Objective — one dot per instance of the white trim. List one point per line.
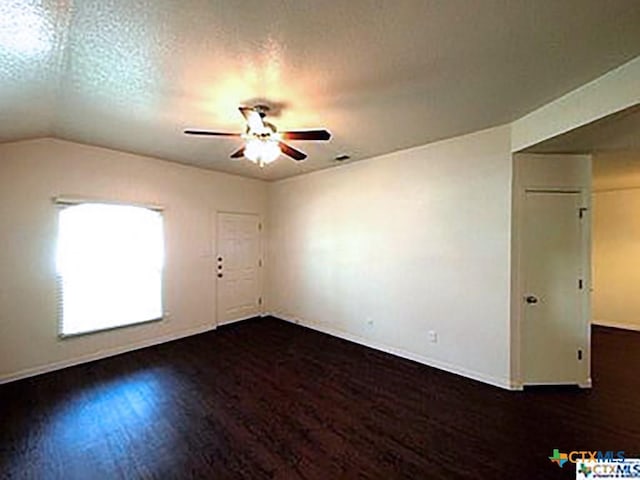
(522, 183)
(623, 326)
(215, 243)
(66, 336)
(50, 367)
(68, 200)
(398, 352)
(586, 384)
(236, 320)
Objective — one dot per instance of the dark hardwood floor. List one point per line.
(267, 399)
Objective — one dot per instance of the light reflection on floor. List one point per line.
(127, 416)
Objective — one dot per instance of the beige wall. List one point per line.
(368, 251)
(616, 258)
(616, 240)
(33, 172)
(386, 250)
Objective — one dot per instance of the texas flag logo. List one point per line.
(559, 458)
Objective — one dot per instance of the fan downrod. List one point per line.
(261, 109)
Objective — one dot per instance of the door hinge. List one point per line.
(259, 300)
(579, 354)
(580, 284)
(582, 211)
(259, 227)
(260, 262)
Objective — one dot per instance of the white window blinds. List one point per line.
(109, 261)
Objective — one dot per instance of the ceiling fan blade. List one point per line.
(292, 152)
(210, 133)
(306, 135)
(246, 112)
(238, 153)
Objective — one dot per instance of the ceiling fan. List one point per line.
(263, 142)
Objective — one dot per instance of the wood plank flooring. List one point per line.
(268, 399)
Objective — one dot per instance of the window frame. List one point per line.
(63, 202)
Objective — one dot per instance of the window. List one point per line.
(109, 263)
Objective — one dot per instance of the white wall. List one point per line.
(33, 172)
(607, 94)
(384, 250)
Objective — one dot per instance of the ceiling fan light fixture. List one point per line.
(263, 142)
(262, 152)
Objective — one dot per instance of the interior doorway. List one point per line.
(238, 267)
(613, 144)
(551, 270)
(553, 252)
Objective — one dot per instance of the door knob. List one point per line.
(531, 299)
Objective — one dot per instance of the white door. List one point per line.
(238, 267)
(555, 331)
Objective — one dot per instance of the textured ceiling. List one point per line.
(381, 75)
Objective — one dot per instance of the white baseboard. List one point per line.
(50, 367)
(229, 322)
(587, 384)
(481, 377)
(624, 326)
(495, 381)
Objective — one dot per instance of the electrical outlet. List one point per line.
(433, 336)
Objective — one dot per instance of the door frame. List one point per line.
(213, 264)
(541, 173)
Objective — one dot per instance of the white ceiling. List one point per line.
(614, 142)
(381, 75)
(614, 133)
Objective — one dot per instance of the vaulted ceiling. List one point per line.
(381, 75)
